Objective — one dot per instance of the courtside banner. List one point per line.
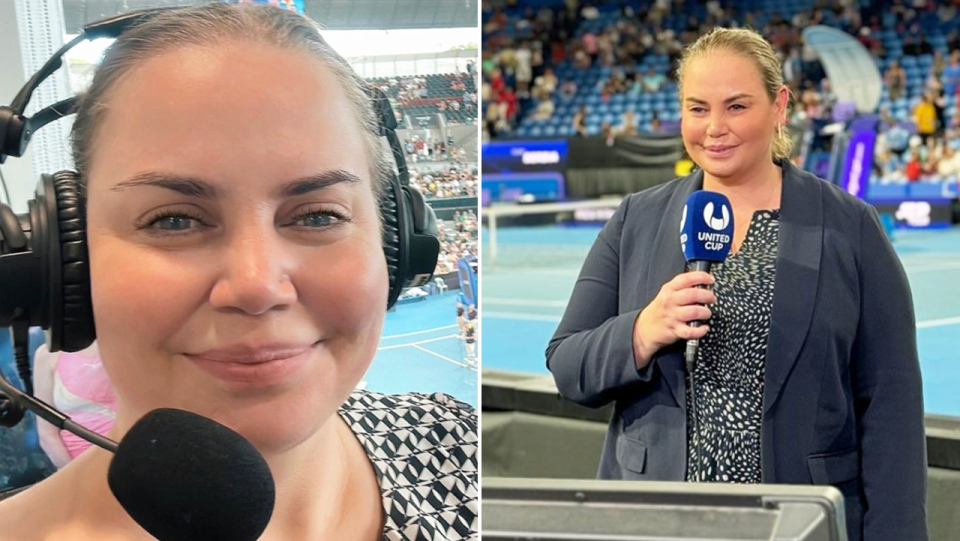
(859, 156)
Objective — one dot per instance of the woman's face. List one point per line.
(236, 261)
(727, 119)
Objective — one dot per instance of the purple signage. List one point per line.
(859, 157)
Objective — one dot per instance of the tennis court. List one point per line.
(420, 351)
(525, 294)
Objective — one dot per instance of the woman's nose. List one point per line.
(716, 126)
(255, 276)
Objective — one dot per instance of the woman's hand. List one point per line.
(667, 318)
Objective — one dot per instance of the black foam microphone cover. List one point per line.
(184, 477)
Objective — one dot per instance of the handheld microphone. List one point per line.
(180, 476)
(706, 234)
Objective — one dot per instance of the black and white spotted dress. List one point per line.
(730, 366)
(424, 451)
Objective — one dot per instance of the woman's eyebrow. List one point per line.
(189, 186)
(316, 182)
(194, 187)
(732, 98)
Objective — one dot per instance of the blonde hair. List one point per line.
(213, 24)
(748, 44)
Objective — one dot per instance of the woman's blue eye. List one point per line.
(318, 219)
(173, 223)
(315, 220)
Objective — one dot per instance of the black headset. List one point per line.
(44, 268)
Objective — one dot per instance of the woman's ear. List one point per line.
(783, 99)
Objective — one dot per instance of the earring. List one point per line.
(779, 131)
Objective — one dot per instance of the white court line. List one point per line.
(525, 302)
(938, 322)
(443, 357)
(931, 257)
(538, 270)
(928, 268)
(415, 343)
(514, 315)
(418, 332)
(538, 317)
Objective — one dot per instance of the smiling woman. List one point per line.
(807, 370)
(238, 271)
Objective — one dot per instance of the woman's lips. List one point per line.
(719, 152)
(264, 368)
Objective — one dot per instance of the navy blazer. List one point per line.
(842, 397)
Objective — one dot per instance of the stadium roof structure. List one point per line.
(333, 14)
(853, 73)
(401, 65)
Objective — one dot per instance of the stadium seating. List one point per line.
(438, 89)
(893, 34)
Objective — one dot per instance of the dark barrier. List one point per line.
(640, 151)
(445, 207)
(469, 202)
(630, 164)
(530, 431)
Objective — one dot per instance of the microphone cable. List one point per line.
(690, 357)
(697, 444)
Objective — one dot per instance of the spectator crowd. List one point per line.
(452, 181)
(525, 48)
(458, 239)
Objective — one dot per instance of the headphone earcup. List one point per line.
(423, 240)
(76, 326)
(393, 238)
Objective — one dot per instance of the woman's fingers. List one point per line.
(688, 280)
(693, 296)
(686, 314)
(686, 332)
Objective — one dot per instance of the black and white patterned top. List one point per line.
(424, 451)
(730, 366)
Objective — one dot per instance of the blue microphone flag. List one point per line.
(706, 229)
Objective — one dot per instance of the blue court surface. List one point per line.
(420, 351)
(524, 297)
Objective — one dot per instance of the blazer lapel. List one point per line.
(797, 276)
(665, 263)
